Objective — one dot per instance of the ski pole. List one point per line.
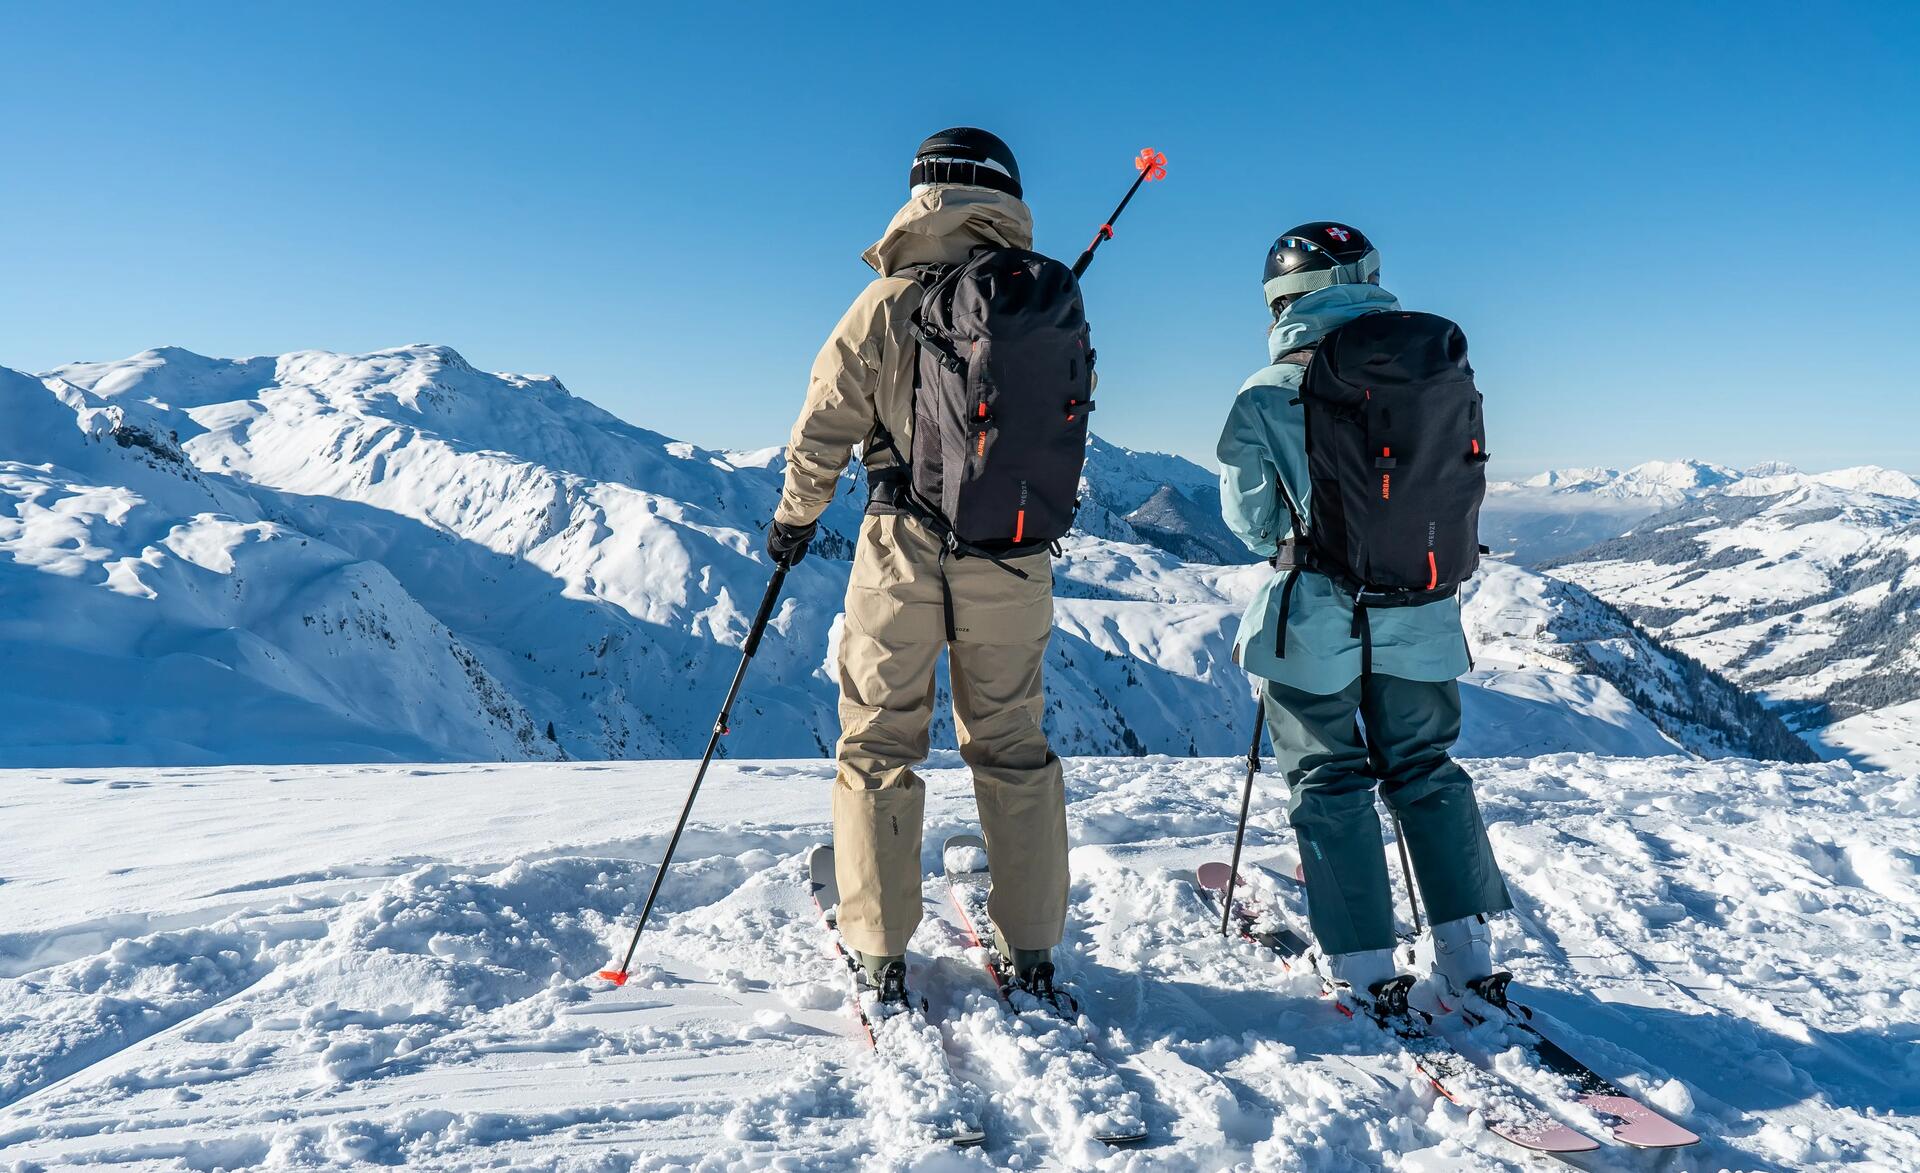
(1246, 801)
(619, 976)
(1406, 870)
(1152, 165)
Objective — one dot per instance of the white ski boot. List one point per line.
(1458, 956)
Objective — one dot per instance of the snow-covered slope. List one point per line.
(1519, 619)
(1803, 587)
(289, 559)
(1887, 738)
(344, 967)
(1164, 501)
(1187, 528)
(152, 613)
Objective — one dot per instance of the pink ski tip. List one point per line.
(1640, 1125)
(617, 976)
(1546, 1136)
(1213, 876)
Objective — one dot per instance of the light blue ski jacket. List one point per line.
(1264, 443)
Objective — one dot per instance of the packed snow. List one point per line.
(325, 967)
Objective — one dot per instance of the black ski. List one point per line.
(1055, 1020)
(900, 1034)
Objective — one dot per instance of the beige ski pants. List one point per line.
(894, 631)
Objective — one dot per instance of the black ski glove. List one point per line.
(787, 544)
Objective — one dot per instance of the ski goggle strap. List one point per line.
(934, 169)
(1353, 273)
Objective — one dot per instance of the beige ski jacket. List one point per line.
(863, 376)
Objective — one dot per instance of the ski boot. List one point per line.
(1459, 956)
(1031, 972)
(1366, 979)
(885, 978)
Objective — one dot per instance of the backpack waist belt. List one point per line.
(885, 488)
(890, 491)
(1295, 558)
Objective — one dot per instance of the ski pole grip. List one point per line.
(759, 627)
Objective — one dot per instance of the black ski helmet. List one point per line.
(966, 154)
(1314, 256)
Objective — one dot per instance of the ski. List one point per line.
(1054, 1021)
(1507, 1111)
(901, 1036)
(1274, 934)
(1629, 1120)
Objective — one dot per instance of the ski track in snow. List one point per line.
(330, 967)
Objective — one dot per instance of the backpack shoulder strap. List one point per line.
(924, 273)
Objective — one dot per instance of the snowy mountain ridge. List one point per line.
(1805, 589)
(1661, 479)
(1671, 481)
(1557, 514)
(1799, 586)
(204, 558)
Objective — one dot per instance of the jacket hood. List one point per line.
(1316, 314)
(945, 222)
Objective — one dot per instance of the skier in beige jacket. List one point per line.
(965, 194)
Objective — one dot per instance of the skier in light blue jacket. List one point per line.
(1300, 637)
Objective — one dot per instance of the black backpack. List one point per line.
(1002, 389)
(1397, 454)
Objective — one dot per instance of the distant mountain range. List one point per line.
(1561, 513)
(1802, 587)
(395, 556)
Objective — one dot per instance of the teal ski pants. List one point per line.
(1332, 767)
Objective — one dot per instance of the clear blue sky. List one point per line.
(1669, 229)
